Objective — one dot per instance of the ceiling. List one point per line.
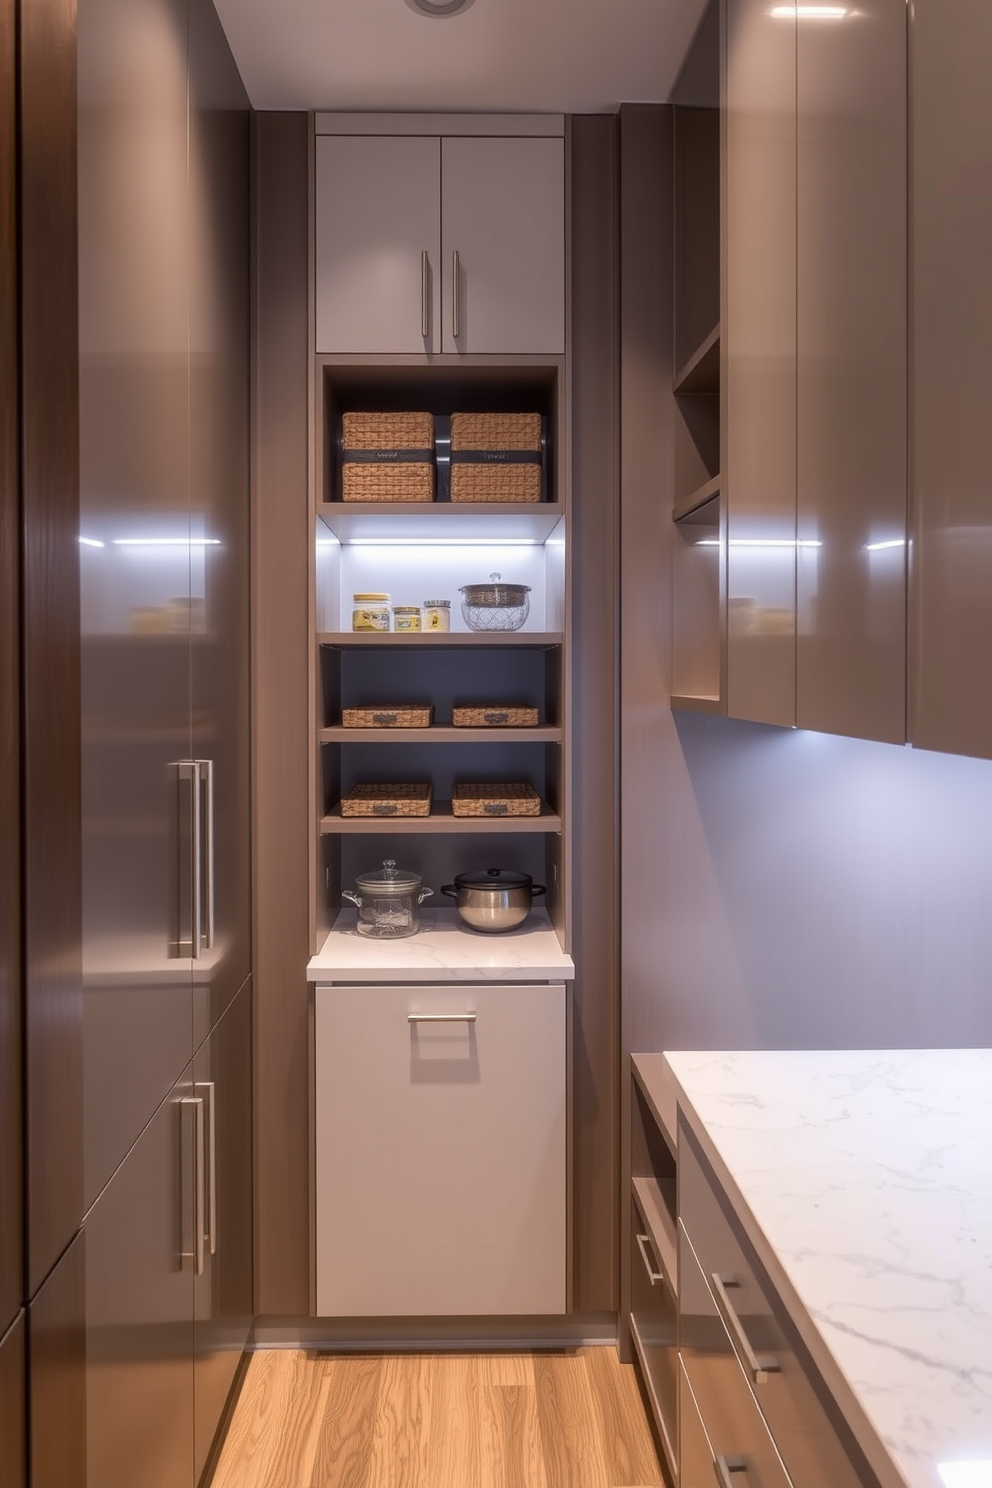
(557, 56)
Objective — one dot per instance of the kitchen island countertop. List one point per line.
(864, 1182)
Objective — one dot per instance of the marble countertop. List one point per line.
(443, 950)
(864, 1181)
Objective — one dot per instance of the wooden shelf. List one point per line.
(661, 1227)
(345, 640)
(468, 522)
(692, 508)
(440, 821)
(697, 704)
(700, 376)
(440, 734)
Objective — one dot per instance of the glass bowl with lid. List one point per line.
(388, 901)
(495, 606)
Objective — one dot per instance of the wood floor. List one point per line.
(545, 1420)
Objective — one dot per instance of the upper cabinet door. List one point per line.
(503, 250)
(952, 376)
(378, 242)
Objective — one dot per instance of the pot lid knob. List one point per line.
(495, 577)
(389, 868)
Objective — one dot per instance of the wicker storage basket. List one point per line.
(496, 457)
(494, 715)
(387, 457)
(495, 800)
(387, 800)
(387, 717)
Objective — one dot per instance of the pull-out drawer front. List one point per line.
(654, 1322)
(815, 1445)
(742, 1453)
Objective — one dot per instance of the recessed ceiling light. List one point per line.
(439, 9)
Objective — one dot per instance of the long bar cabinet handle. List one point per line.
(440, 1018)
(205, 769)
(726, 1468)
(191, 1111)
(425, 324)
(643, 1241)
(210, 1089)
(760, 1366)
(189, 771)
(456, 304)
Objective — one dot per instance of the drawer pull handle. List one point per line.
(653, 1276)
(440, 1017)
(727, 1468)
(759, 1365)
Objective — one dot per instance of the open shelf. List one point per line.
(440, 820)
(441, 734)
(690, 508)
(343, 640)
(700, 374)
(428, 521)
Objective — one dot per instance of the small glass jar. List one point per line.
(406, 618)
(437, 614)
(370, 612)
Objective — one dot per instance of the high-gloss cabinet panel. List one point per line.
(56, 1352)
(11, 1172)
(852, 371)
(758, 327)
(223, 1289)
(503, 245)
(440, 1150)
(952, 382)
(654, 1325)
(220, 229)
(13, 1406)
(378, 213)
(140, 1249)
(695, 1452)
(136, 561)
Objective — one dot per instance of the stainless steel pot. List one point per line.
(388, 902)
(494, 899)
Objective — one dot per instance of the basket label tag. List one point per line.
(387, 456)
(496, 457)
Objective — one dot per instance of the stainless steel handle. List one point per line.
(209, 1087)
(759, 1365)
(440, 1017)
(456, 317)
(205, 769)
(643, 1241)
(191, 1116)
(189, 773)
(727, 1467)
(425, 324)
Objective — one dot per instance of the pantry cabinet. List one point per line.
(428, 244)
(440, 1120)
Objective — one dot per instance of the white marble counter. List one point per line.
(443, 950)
(864, 1181)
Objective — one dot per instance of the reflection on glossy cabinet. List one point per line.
(13, 1403)
(952, 382)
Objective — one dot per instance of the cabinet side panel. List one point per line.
(852, 354)
(593, 659)
(280, 688)
(759, 332)
(57, 1376)
(952, 384)
(13, 1451)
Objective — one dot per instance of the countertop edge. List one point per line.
(880, 1460)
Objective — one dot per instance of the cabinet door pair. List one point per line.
(440, 245)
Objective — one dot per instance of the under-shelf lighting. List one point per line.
(446, 542)
(966, 1474)
(810, 12)
(762, 542)
(91, 542)
(166, 542)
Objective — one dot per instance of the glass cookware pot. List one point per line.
(493, 899)
(495, 606)
(388, 902)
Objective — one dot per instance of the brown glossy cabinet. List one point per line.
(951, 707)
(13, 1454)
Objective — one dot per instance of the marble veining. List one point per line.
(443, 950)
(866, 1186)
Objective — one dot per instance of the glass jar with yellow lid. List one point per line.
(370, 612)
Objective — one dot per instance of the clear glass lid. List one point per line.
(495, 594)
(390, 880)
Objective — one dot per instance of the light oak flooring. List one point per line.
(544, 1420)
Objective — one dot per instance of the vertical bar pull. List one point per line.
(425, 322)
(210, 1091)
(205, 769)
(189, 774)
(456, 318)
(191, 1129)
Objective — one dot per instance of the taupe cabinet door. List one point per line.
(378, 212)
(440, 1150)
(504, 218)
